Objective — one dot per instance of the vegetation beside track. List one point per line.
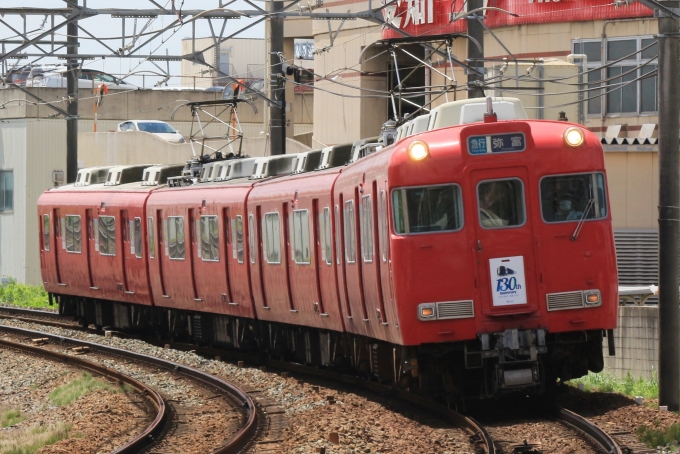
(630, 386)
(77, 388)
(31, 439)
(22, 295)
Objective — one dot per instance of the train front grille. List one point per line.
(566, 300)
(455, 309)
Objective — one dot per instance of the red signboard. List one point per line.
(434, 17)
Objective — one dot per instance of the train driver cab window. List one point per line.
(573, 197)
(74, 234)
(272, 238)
(427, 209)
(176, 238)
(107, 235)
(210, 239)
(301, 251)
(46, 232)
(501, 203)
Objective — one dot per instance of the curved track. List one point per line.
(238, 442)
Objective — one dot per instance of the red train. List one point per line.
(472, 256)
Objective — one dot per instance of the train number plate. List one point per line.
(496, 143)
(507, 281)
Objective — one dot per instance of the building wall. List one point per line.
(633, 179)
(637, 343)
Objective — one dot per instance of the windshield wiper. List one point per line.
(577, 230)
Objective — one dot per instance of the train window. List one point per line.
(152, 242)
(572, 197)
(427, 209)
(251, 239)
(325, 234)
(501, 203)
(237, 238)
(138, 238)
(46, 232)
(383, 226)
(176, 238)
(74, 234)
(210, 239)
(301, 236)
(338, 248)
(107, 235)
(350, 233)
(366, 220)
(272, 237)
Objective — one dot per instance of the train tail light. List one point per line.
(418, 150)
(574, 137)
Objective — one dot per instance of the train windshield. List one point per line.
(501, 203)
(572, 197)
(427, 209)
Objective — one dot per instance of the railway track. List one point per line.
(570, 423)
(168, 422)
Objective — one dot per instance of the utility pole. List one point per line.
(474, 53)
(669, 211)
(72, 106)
(277, 113)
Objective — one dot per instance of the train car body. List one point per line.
(468, 258)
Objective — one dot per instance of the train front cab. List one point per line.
(505, 302)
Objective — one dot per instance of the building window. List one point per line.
(366, 220)
(272, 238)
(74, 234)
(46, 232)
(176, 238)
(107, 235)
(629, 86)
(210, 239)
(152, 242)
(350, 233)
(301, 237)
(6, 190)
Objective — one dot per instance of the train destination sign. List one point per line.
(496, 143)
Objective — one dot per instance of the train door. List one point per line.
(89, 246)
(370, 242)
(49, 249)
(125, 253)
(504, 241)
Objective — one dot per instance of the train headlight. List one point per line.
(574, 137)
(418, 150)
(426, 311)
(592, 298)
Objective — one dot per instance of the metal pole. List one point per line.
(476, 31)
(277, 119)
(669, 211)
(72, 107)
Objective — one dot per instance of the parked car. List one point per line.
(22, 74)
(158, 128)
(89, 78)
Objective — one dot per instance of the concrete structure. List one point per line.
(637, 343)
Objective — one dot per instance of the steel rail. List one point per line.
(152, 430)
(232, 446)
(590, 429)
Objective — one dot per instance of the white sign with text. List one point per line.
(507, 281)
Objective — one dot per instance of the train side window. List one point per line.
(251, 239)
(107, 235)
(176, 238)
(501, 203)
(572, 197)
(74, 234)
(237, 237)
(46, 232)
(366, 220)
(350, 233)
(338, 242)
(427, 209)
(152, 240)
(326, 236)
(301, 251)
(138, 237)
(210, 239)
(383, 224)
(272, 238)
